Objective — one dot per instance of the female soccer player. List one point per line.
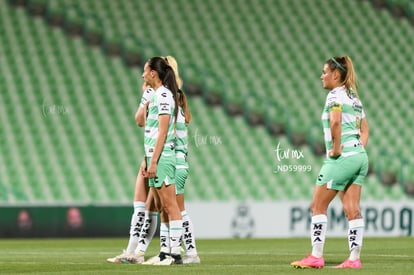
(152, 204)
(181, 152)
(141, 194)
(181, 174)
(159, 146)
(344, 170)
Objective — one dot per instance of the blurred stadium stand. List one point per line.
(71, 81)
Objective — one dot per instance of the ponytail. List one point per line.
(181, 98)
(350, 80)
(170, 82)
(173, 64)
(347, 71)
(182, 102)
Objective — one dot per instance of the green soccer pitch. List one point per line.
(235, 256)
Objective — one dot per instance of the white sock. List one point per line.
(164, 238)
(176, 231)
(355, 236)
(318, 232)
(188, 235)
(147, 231)
(137, 220)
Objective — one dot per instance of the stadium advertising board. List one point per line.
(292, 219)
(272, 219)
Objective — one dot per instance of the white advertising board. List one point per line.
(283, 219)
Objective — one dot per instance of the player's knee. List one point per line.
(169, 207)
(352, 212)
(316, 209)
(165, 209)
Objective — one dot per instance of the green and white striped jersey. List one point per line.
(352, 113)
(181, 144)
(162, 103)
(146, 96)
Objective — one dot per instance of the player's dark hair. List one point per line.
(182, 102)
(167, 76)
(182, 99)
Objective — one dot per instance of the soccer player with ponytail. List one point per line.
(346, 165)
(159, 143)
(141, 213)
(140, 239)
(181, 174)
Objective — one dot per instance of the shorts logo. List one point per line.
(329, 184)
(320, 177)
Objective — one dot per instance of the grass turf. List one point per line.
(233, 256)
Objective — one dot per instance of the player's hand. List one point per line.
(335, 153)
(152, 170)
(145, 86)
(143, 169)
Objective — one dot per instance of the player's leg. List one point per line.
(320, 202)
(171, 213)
(164, 184)
(188, 238)
(351, 198)
(147, 231)
(164, 234)
(319, 205)
(165, 255)
(324, 192)
(137, 218)
(151, 223)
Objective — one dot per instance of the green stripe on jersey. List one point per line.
(351, 115)
(181, 133)
(162, 103)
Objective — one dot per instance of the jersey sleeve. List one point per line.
(333, 102)
(146, 96)
(363, 114)
(165, 103)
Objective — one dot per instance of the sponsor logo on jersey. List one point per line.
(165, 106)
(335, 106)
(357, 107)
